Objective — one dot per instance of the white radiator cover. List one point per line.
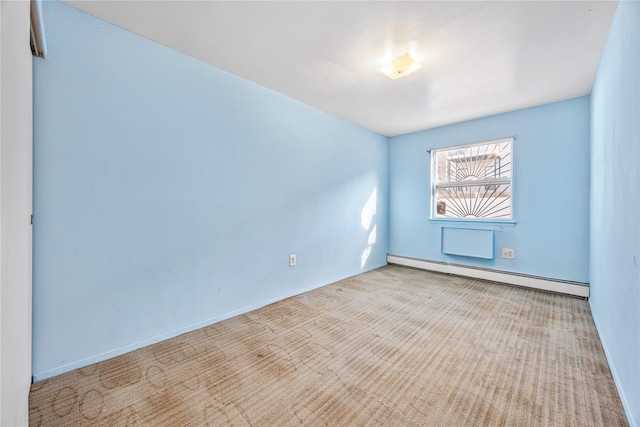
(534, 282)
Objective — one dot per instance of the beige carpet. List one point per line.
(392, 347)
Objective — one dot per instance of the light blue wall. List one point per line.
(168, 194)
(615, 204)
(551, 191)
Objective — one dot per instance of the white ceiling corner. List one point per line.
(479, 57)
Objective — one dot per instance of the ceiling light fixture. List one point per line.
(399, 67)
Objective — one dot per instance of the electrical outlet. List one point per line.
(292, 260)
(508, 253)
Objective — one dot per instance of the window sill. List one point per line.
(480, 222)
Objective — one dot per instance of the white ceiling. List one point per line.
(479, 57)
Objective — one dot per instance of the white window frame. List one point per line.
(435, 184)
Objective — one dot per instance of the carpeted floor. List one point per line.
(393, 347)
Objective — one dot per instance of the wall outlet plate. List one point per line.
(508, 253)
(292, 260)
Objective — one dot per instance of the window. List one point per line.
(473, 181)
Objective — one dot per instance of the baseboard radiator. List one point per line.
(551, 285)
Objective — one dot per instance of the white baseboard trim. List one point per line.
(67, 367)
(616, 379)
(534, 282)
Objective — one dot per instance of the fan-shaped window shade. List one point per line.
(473, 181)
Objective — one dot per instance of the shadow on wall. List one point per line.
(366, 220)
